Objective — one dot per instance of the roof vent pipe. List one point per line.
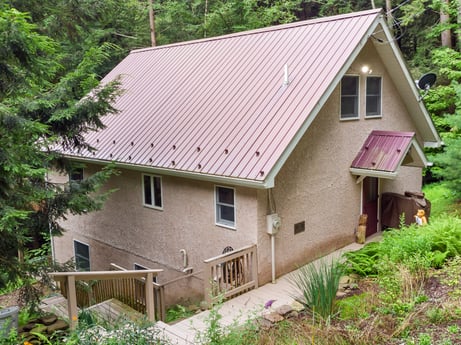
(286, 79)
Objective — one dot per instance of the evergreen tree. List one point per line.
(42, 106)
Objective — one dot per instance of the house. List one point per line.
(278, 137)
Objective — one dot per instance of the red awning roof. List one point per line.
(385, 151)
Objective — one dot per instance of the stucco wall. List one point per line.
(315, 185)
(154, 238)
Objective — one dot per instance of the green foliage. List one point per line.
(415, 247)
(442, 198)
(179, 20)
(177, 312)
(41, 106)
(318, 284)
(354, 307)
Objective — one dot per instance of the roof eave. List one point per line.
(228, 180)
(373, 173)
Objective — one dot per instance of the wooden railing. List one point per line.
(139, 302)
(231, 274)
(102, 285)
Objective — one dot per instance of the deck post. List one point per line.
(72, 302)
(254, 267)
(150, 308)
(208, 285)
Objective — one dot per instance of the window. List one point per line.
(225, 206)
(350, 97)
(82, 256)
(138, 267)
(373, 99)
(76, 174)
(152, 191)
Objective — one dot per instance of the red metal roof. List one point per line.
(383, 151)
(219, 106)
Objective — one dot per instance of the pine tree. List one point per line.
(42, 106)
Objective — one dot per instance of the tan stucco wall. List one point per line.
(154, 238)
(315, 184)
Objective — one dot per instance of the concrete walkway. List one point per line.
(249, 305)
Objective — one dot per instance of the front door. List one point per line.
(370, 203)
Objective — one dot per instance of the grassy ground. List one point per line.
(441, 198)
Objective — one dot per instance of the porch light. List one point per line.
(366, 69)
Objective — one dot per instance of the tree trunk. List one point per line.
(458, 31)
(152, 23)
(445, 18)
(390, 18)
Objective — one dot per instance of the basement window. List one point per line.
(76, 174)
(225, 206)
(82, 256)
(138, 267)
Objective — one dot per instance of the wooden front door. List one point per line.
(370, 203)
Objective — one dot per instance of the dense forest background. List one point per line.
(54, 52)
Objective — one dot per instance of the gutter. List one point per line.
(265, 184)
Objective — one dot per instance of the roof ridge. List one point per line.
(264, 29)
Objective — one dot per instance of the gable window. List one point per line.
(350, 97)
(82, 256)
(373, 97)
(152, 191)
(225, 206)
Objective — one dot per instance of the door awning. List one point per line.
(384, 152)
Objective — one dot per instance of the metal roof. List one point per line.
(386, 151)
(222, 107)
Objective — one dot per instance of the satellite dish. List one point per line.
(426, 81)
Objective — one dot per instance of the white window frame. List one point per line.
(342, 116)
(80, 256)
(380, 97)
(154, 204)
(218, 220)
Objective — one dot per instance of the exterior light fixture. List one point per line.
(366, 69)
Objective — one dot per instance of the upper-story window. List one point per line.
(373, 98)
(225, 206)
(152, 191)
(349, 97)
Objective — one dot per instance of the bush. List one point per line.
(410, 246)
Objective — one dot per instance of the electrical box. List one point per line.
(273, 223)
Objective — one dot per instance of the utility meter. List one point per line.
(273, 223)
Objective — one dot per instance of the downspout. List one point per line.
(53, 254)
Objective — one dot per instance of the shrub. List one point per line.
(413, 246)
(318, 284)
